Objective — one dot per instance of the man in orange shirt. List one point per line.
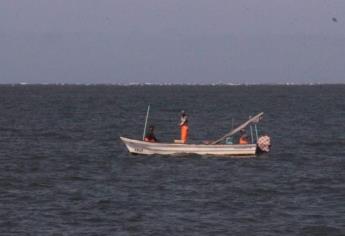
(184, 127)
(243, 138)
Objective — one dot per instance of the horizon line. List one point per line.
(169, 84)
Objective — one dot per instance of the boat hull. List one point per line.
(147, 148)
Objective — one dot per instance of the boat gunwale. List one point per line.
(124, 139)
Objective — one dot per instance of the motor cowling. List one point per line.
(264, 143)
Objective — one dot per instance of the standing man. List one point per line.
(184, 127)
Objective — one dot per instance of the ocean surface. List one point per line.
(64, 170)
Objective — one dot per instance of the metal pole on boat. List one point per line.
(256, 132)
(251, 133)
(147, 117)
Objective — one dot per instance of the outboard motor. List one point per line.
(263, 143)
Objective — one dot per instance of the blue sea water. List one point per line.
(64, 171)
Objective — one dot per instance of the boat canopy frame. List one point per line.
(252, 120)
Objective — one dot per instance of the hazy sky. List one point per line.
(173, 41)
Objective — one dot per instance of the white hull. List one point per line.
(147, 148)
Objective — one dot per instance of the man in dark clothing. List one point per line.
(150, 136)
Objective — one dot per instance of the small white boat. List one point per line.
(148, 148)
(262, 144)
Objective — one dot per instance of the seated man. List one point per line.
(243, 138)
(150, 136)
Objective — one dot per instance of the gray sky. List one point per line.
(173, 41)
